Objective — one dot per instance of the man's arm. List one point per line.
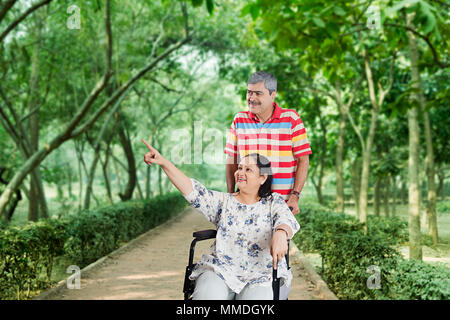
(231, 168)
(300, 179)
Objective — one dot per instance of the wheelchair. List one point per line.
(189, 285)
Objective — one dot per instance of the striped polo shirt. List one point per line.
(282, 139)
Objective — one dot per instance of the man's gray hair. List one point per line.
(270, 82)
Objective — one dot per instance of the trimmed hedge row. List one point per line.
(349, 257)
(27, 252)
(26, 256)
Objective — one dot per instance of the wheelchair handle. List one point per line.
(205, 234)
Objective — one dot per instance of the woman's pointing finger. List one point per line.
(148, 146)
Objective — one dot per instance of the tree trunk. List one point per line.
(319, 193)
(106, 175)
(127, 148)
(344, 109)
(356, 180)
(33, 125)
(316, 186)
(414, 204)
(160, 180)
(340, 197)
(90, 182)
(139, 189)
(119, 180)
(367, 148)
(87, 174)
(80, 176)
(69, 180)
(441, 178)
(394, 195)
(107, 157)
(432, 192)
(386, 195)
(415, 246)
(404, 192)
(33, 207)
(80, 184)
(323, 128)
(376, 197)
(107, 182)
(364, 191)
(148, 191)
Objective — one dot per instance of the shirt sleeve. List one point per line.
(281, 214)
(231, 145)
(300, 143)
(208, 202)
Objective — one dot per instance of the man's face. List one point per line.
(258, 98)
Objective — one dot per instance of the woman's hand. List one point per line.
(153, 156)
(278, 246)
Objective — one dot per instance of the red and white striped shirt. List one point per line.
(282, 139)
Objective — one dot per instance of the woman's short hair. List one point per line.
(264, 168)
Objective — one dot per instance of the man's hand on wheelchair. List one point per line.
(278, 246)
(293, 204)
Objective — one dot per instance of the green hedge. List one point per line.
(419, 280)
(347, 254)
(443, 207)
(26, 256)
(27, 252)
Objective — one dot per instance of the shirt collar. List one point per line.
(276, 113)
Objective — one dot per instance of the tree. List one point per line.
(422, 20)
(76, 126)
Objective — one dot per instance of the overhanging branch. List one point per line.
(23, 17)
(441, 64)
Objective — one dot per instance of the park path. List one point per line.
(152, 266)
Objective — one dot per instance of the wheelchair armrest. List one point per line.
(204, 234)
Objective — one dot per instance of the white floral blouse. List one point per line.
(241, 253)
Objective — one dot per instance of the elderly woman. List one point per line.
(253, 226)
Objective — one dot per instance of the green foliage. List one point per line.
(443, 206)
(314, 219)
(26, 256)
(347, 254)
(347, 258)
(418, 280)
(208, 3)
(27, 253)
(394, 230)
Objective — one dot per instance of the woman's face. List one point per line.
(247, 176)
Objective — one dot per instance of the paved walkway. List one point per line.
(153, 265)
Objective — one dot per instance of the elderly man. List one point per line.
(274, 132)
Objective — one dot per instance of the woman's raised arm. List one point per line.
(178, 178)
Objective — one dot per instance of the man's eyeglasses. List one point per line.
(257, 93)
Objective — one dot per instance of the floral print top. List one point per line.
(241, 253)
